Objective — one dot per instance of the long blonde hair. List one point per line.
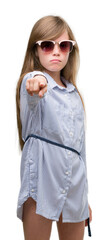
(48, 27)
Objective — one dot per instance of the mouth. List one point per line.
(55, 60)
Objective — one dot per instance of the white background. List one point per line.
(89, 22)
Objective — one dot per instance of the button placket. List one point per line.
(67, 179)
(70, 132)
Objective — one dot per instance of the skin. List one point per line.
(36, 227)
(38, 84)
(47, 59)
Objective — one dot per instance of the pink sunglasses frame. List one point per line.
(54, 42)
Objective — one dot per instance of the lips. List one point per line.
(55, 60)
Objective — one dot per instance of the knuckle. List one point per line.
(36, 91)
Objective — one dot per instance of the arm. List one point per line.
(83, 156)
(28, 101)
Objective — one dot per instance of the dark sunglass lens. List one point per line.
(66, 46)
(47, 46)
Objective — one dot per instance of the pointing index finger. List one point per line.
(42, 84)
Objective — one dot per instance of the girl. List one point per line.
(50, 117)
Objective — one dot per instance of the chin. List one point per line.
(54, 69)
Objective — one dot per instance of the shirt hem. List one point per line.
(46, 216)
(74, 220)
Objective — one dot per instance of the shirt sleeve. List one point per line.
(32, 100)
(83, 156)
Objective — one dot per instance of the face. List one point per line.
(55, 60)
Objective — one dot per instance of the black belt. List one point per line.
(51, 142)
(63, 146)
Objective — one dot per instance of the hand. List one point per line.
(37, 85)
(90, 216)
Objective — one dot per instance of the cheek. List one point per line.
(42, 59)
(41, 56)
(65, 59)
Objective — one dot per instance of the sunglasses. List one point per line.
(48, 46)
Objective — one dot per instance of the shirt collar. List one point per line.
(70, 87)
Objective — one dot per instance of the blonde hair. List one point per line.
(48, 27)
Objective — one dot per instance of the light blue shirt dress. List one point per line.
(54, 177)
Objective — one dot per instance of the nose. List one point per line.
(56, 50)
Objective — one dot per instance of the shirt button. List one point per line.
(65, 95)
(63, 191)
(69, 152)
(71, 134)
(66, 172)
(32, 190)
